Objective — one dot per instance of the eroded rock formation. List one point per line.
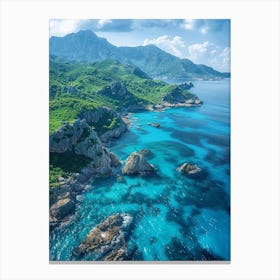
(107, 240)
(136, 164)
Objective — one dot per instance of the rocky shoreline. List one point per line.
(81, 140)
(176, 98)
(107, 240)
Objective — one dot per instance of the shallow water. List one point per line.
(175, 217)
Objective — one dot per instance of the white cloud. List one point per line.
(175, 45)
(200, 53)
(204, 29)
(200, 25)
(60, 27)
(222, 60)
(197, 49)
(210, 54)
(188, 24)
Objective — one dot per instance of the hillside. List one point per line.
(85, 46)
(76, 88)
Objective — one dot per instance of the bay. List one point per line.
(175, 217)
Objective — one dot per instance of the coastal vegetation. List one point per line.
(79, 87)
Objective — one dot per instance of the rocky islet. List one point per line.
(107, 240)
(136, 164)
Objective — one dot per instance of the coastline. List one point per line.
(66, 193)
(120, 180)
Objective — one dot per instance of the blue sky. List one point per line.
(204, 41)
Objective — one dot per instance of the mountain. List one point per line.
(86, 46)
(82, 46)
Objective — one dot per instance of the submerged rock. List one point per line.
(120, 179)
(136, 164)
(157, 125)
(145, 152)
(107, 240)
(189, 169)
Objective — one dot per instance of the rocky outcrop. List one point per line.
(101, 166)
(93, 117)
(96, 118)
(107, 240)
(179, 98)
(136, 164)
(115, 132)
(83, 140)
(62, 208)
(79, 139)
(116, 89)
(63, 200)
(176, 95)
(188, 169)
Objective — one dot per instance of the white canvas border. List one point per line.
(254, 138)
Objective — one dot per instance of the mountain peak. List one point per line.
(85, 45)
(83, 33)
(86, 32)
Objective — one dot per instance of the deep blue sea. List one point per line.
(175, 217)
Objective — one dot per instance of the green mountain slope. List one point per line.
(85, 46)
(79, 87)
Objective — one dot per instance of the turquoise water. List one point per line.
(175, 217)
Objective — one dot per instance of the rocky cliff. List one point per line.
(79, 139)
(117, 91)
(107, 122)
(178, 97)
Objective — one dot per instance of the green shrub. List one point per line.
(68, 162)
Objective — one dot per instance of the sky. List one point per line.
(204, 41)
